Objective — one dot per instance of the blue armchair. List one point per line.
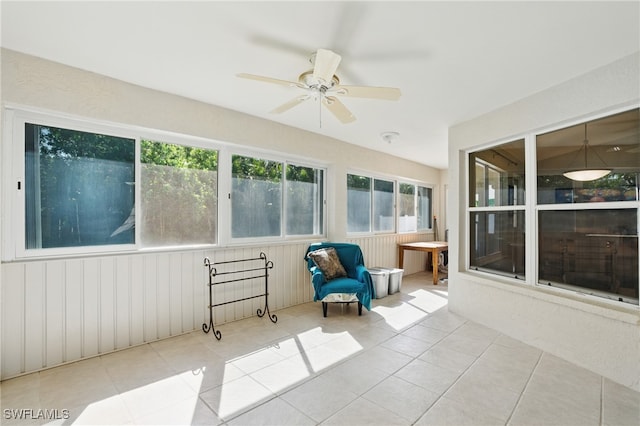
(356, 286)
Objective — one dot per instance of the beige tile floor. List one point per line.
(408, 361)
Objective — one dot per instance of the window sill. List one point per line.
(605, 308)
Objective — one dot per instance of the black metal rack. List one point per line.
(213, 273)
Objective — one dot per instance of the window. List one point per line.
(415, 210)
(179, 194)
(496, 209)
(358, 203)
(425, 209)
(588, 230)
(592, 251)
(366, 198)
(585, 232)
(88, 187)
(371, 205)
(497, 242)
(383, 206)
(79, 188)
(305, 210)
(257, 198)
(407, 221)
(612, 144)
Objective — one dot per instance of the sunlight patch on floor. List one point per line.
(284, 374)
(443, 293)
(332, 352)
(314, 337)
(143, 402)
(428, 301)
(95, 412)
(240, 395)
(281, 366)
(400, 317)
(421, 304)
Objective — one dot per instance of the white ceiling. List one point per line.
(453, 61)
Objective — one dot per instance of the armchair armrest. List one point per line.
(361, 273)
(317, 278)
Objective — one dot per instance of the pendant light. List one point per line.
(587, 174)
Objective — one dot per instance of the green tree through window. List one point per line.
(179, 194)
(79, 188)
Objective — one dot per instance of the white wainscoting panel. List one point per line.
(34, 329)
(383, 251)
(63, 310)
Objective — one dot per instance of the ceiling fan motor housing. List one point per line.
(308, 79)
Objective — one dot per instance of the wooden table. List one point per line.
(435, 247)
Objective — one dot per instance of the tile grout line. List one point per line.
(379, 344)
(277, 395)
(601, 400)
(515, 407)
(413, 358)
(461, 374)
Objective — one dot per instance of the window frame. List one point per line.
(532, 209)
(416, 185)
(322, 202)
(372, 199)
(13, 174)
(13, 171)
(371, 183)
(180, 141)
(230, 152)
(484, 207)
(396, 180)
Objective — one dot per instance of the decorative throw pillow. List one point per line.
(327, 260)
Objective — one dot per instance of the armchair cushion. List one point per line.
(357, 280)
(327, 260)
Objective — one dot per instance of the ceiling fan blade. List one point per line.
(371, 92)
(288, 105)
(270, 80)
(326, 64)
(338, 109)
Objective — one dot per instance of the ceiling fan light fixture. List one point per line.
(587, 174)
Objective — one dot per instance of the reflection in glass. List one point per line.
(497, 174)
(424, 208)
(79, 188)
(614, 143)
(592, 251)
(497, 242)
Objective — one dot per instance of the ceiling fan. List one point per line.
(321, 83)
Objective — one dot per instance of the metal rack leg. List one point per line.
(209, 327)
(267, 265)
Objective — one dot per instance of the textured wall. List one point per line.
(597, 335)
